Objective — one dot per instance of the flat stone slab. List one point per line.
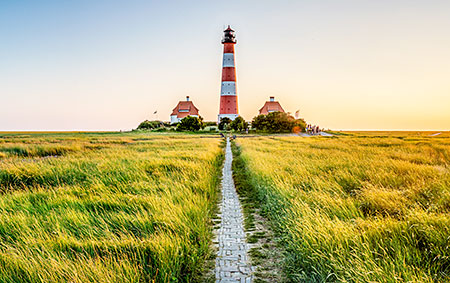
(232, 262)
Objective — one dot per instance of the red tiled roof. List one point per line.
(187, 108)
(271, 106)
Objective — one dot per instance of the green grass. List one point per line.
(139, 207)
(106, 207)
(360, 207)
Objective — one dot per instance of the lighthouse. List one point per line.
(228, 95)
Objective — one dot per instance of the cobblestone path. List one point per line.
(232, 262)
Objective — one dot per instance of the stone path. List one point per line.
(232, 262)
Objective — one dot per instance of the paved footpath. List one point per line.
(232, 262)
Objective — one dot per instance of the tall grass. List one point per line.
(367, 207)
(106, 207)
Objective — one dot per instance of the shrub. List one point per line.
(278, 122)
(239, 124)
(161, 129)
(149, 125)
(224, 123)
(190, 123)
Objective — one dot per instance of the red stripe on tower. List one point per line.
(228, 95)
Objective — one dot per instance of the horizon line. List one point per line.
(118, 131)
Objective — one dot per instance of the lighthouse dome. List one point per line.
(229, 36)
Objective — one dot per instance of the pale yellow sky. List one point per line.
(107, 65)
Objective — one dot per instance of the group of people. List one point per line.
(233, 137)
(312, 129)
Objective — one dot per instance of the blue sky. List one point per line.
(107, 65)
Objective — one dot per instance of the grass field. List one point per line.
(106, 207)
(136, 207)
(355, 207)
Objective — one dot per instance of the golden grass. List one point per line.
(358, 207)
(106, 207)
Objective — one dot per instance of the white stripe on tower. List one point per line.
(228, 88)
(228, 60)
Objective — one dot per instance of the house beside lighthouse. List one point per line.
(183, 109)
(271, 106)
(228, 95)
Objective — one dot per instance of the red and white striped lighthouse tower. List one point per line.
(228, 95)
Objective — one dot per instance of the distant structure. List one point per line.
(183, 109)
(271, 106)
(228, 96)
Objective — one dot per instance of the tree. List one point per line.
(190, 123)
(278, 122)
(224, 122)
(149, 125)
(239, 124)
(210, 123)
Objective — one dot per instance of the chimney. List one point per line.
(187, 98)
(272, 98)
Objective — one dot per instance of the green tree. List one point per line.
(224, 122)
(239, 124)
(278, 122)
(190, 123)
(211, 123)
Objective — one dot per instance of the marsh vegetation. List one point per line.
(106, 207)
(135, 207)
(358, 207)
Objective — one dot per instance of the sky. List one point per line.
(109, 64)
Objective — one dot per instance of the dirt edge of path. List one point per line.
(265, 251)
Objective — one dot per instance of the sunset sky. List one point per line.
(108, 65)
